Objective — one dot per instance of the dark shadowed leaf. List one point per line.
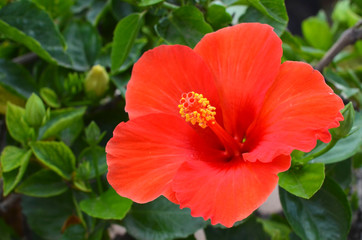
(248, 229)
(186, 25)
(272, 12)
(50, 212)
(161, 219)
(26, 23)
(44, 183)
(327, 215)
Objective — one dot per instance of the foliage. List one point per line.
(64, 66)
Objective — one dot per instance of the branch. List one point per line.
(26, 58)
(348, 37)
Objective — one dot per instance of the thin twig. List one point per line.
(26, 58)
(348, 37)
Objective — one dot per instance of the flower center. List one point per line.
(196, 109)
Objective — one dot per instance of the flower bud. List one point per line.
(34, 111)
(346, 126)
(96, 82)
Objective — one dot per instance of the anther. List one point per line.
(196, 109)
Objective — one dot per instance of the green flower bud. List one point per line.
(34, 111)
(345, 126)
(96, 82)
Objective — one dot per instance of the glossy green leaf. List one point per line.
(44, 183)
(124, 37)
(161, 219)
(217, 16)
(46, 216)
(26, 23)
(186, 26)
(317, 33)
(60, 120)
(16, 124)
(83, 43)
(11, 158)
(16, 79)
(247, 229)
(327, 215)
(303, 181)
(95, 13)
(272, 12)
(55, 155)
(12, 178)
(109, 205)
(346, 147)
(49, 97)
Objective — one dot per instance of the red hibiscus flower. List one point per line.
(211, 127)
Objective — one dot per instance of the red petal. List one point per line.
(245, 60)
(226, 192)
(161, 75)
(299, 109)
(145, 153)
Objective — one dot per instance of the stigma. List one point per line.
(196, 109)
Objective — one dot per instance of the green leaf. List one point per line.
(12, 178)
(96, 11)
(109, 205)
(276, 230)
(59, 121)
(346, 147)
(161, 219)
(46, 216)
(272, 12)
(16, 124)
(217, 16)
(317, 33)
(55, 155)
(303, 181)
(50, 97)
(43, 183)
(55, 8)
(74, 232)
(97, 153)
(93, 134)
(11, 158)
(327, 215)
(146, 3)
(16, 79)
(249, 228)
(124, 37)
(83, 43)
(186, 26)
(26, 23)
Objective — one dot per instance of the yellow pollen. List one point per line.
(194, 108)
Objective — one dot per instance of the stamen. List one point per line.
(196, 109)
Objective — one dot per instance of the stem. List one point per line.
(169, 6)
(79, 212)
(350, 36)
(321, 152)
